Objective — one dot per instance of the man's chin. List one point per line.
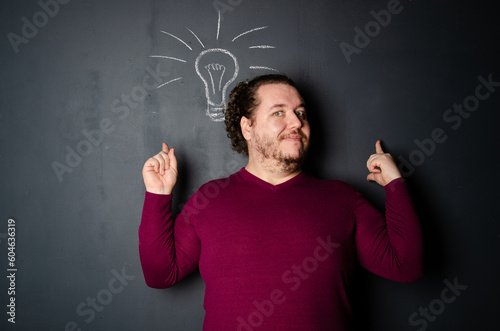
(294, 161)
(295, 153)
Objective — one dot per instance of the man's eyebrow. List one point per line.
(278, 105)
(281, 105)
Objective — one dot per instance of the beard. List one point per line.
(269, 149)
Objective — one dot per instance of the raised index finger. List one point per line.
(378, 148)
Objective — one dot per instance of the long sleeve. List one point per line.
(293, 247)
(392, 247)
(169, 249)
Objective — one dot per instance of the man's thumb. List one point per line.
(173, 159)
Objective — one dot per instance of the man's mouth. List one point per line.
(293, 137)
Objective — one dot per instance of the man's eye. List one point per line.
(278, 113)
(301, 113)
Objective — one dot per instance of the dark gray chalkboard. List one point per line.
(90, 89)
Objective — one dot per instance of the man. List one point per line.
(276, 247)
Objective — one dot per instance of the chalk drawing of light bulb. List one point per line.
(217, 68)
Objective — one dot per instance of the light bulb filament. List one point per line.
(217, 70)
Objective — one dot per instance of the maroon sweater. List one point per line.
(279, 257)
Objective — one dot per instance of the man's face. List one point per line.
(279, 131)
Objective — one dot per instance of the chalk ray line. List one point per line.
(244, 33)
(265, 68)
(168, 57)
(170, 81)
(196, 37)
(218, 24)
(262, 46)
(182, 41)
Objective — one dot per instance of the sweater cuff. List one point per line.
(397, 194)
(157, 202)
(395, 185)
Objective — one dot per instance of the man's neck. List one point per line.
(271, 173)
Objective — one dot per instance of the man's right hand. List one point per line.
(160, 172)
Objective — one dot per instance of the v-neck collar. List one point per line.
(256, 180)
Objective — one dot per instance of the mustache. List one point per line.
(294, 133)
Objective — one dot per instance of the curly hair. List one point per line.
(242, 102)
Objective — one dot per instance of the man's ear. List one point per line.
(245, 125)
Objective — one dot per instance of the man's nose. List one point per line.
(294, 121)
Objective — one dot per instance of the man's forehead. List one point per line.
(278, 93)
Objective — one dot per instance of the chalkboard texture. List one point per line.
(90, 90)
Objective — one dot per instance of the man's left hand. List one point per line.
(382, 168)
